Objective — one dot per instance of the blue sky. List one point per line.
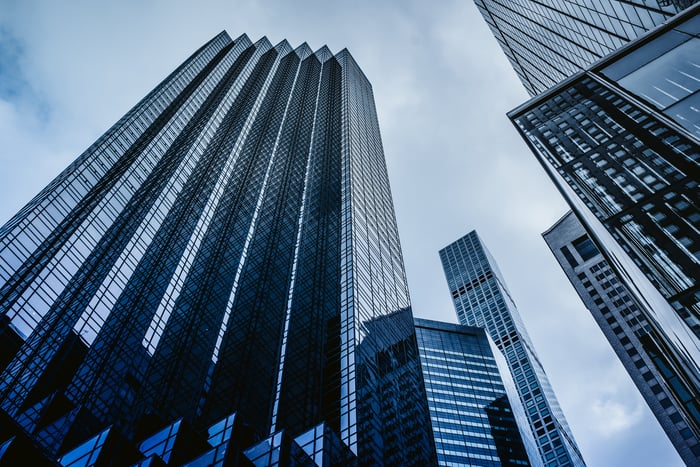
(442, 86)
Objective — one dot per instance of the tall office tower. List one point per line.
(481, 299)
(475, 410)
(547, 41)
(218, 250)
(621, 141)
(391, 347)
(626, 325)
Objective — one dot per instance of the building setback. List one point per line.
(547, 41)
(209, 264)
(481, 299)
(475, 410)
(626, 324)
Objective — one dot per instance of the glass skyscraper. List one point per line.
(212, 260)
(616, 125)
(475, 410)
(481, 299)
(547, 41)
(621, 141)
(627, 325)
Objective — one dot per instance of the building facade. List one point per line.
(481, 299)
(627, 326)
(547, 41)
(475, 411)
(621, 141)
(218, 251)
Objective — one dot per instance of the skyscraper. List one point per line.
(219, 250)
(549, 40)
(627, 326)
(481, 299)
(621, 141)
(475, 410)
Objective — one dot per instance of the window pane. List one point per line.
(669, 78)
(585, 248)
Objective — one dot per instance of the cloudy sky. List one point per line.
(69, 70)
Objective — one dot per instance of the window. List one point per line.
(664, 72)
(585, 247)
(569, 257)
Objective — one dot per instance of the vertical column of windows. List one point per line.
(133, 311)
(373, 283)
(247, 104)
(349, 299)
(314, 321)
(178, 378)
(36, 220)
(86, 278)
(265, 279)
(69, 244)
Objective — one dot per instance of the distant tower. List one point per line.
(550, 40)
(628, 327)
(218, 250)
(475, 410)
(481, 299)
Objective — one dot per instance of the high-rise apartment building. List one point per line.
(213, 261)
(475, 410)
(481, 299)
(628, 327)
(621, 141)
(547, 41)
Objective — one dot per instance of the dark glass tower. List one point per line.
(622, 143)
(626, 324)
(481, 299)
(475, 410)
(220, 249)
(549, 40)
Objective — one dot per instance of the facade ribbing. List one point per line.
(218, 250)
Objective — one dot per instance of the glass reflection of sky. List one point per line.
(669, 78)
(670, 82)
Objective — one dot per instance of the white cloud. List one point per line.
(611, 416)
